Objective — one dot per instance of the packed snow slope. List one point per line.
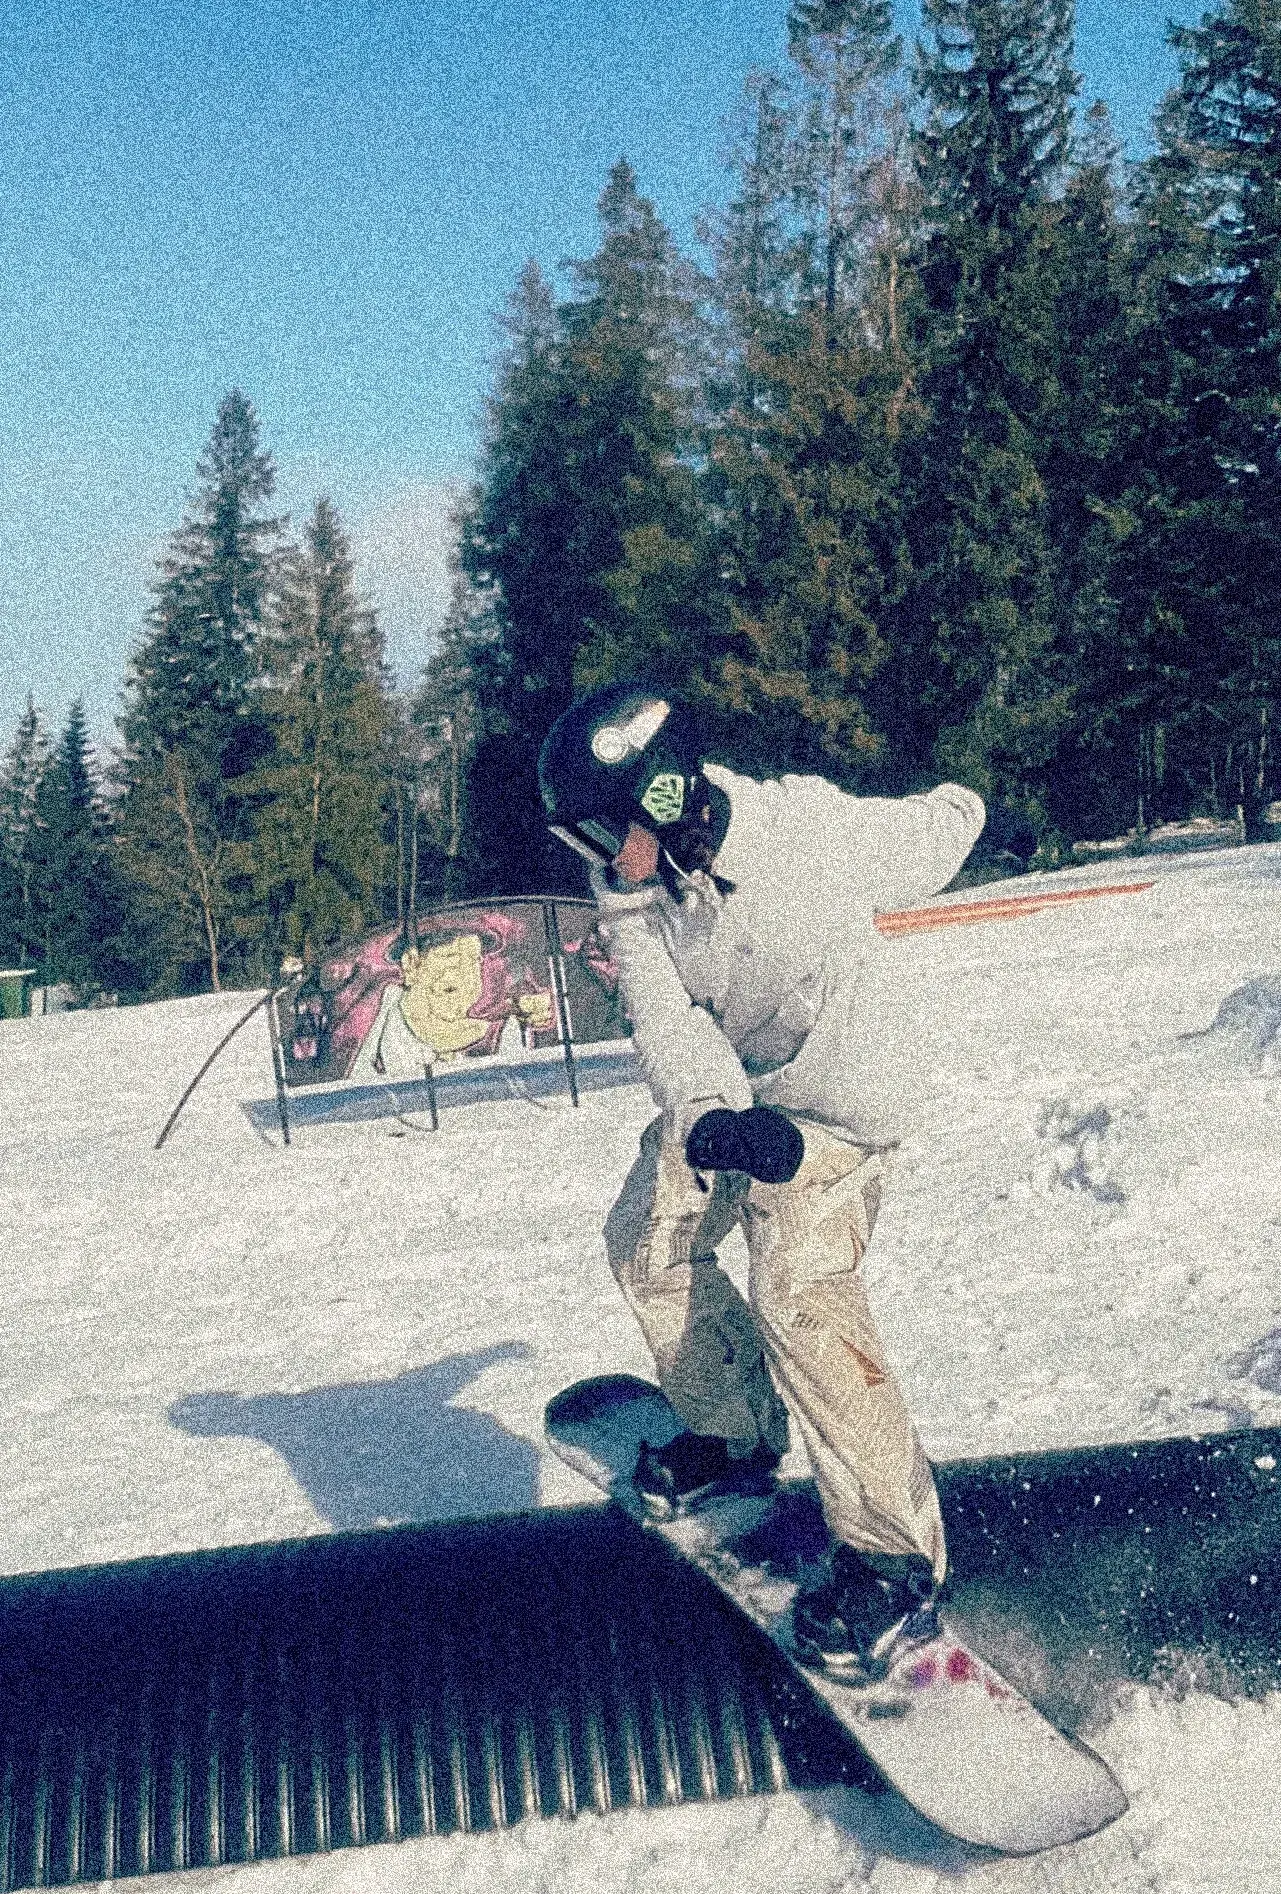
(227, 1340)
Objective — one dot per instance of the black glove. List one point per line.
(762, 1142)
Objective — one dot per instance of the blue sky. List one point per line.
(323, 202)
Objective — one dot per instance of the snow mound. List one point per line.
(1261, 1364)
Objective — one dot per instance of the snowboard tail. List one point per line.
(956, 1740)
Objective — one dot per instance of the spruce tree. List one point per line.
(811, 534)
(1231, 93)
(313, 864)
(972, 683)
(76, 895)
(846, 55)
(1189, 705)
(805, 443)
(516, 549)
(444, 727)
(193, 719)
(634, 357)
(192, 678)
(1083, 449)
(585, 535)
(757, 254)
(25, 767)
(1135, 664)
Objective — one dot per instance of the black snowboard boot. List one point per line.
(695, 1468)
(858, 1619)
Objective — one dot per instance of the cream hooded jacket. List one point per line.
(783, 993)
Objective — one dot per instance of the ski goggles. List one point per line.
(594, 841)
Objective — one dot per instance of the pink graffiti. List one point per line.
(357, 982)
(512, 970)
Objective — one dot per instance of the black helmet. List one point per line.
(625, 754)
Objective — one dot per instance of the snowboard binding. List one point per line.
(692, 1470)
(858, 1621)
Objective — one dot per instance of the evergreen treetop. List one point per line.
(999, 84)
(76, 895)
(25, 765)
(192, 678)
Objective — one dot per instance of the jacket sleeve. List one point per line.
(688, 1063)
(949, 821)
(896, 851)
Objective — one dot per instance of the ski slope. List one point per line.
(228, 1341)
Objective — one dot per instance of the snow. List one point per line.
(227, 1341)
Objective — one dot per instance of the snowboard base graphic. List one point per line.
(946, 1730)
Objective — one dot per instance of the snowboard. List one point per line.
(944, 1728)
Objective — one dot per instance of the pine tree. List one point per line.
(1188, 706)
(314, 862)
(585, 535)
(1231, 89)
(193, 677)
(633, 356)
(193, 718)
(757, 253)
(847, 58)
(804, 454)
(76, 897)
(972, 679)
(25, 768)
(1083, 441)
(444, 727)
(516, 549)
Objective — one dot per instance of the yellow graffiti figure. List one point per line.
(442, 984)
(535, 1010)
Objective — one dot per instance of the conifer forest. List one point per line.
(951, 449)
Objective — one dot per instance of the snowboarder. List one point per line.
(780, 1053)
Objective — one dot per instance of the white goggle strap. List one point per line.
(608, 839)
(580, 845)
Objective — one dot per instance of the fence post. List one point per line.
(556, 964)
(278, 1066)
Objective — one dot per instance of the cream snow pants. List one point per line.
(808, 1332)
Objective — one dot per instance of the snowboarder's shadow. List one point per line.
(386, 1452)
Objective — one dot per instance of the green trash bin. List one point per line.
(15, 991)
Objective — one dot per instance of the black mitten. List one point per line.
(762, 1142)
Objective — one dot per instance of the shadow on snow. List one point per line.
(378, 1453)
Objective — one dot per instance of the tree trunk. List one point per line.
(1254, 780)
(200, 874)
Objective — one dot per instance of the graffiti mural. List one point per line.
(481, 980)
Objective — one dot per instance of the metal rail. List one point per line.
(287, 1699)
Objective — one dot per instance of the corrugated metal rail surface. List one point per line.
(286, 1699)
(277, 1700)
